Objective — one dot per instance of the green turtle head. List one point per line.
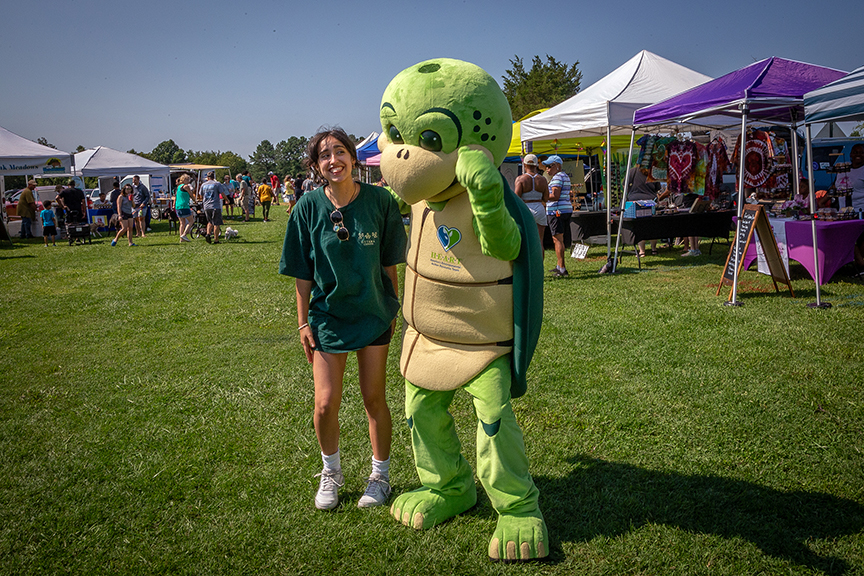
(428, 112)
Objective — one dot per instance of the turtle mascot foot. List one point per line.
(473, 297)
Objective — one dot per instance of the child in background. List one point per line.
(49, 226)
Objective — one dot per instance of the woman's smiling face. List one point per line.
(334, 160)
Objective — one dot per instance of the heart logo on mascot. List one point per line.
(448, 237)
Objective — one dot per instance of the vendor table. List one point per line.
(584, 224)
(836, 242)
(704, 224)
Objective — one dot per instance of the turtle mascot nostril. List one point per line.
(473, 297)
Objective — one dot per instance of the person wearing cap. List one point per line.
(532, 187)
(559, 208)
(141, 202)
(211, 191)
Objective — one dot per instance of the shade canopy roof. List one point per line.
(195, 167)
(773, 90)
(368, 147)
(104, 161)
(611, 101)
(20, 156)
(840, 100)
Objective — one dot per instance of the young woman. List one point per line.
(182, 202)
(342, 244)
(124, 213)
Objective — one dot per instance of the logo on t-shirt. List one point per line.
(448, 237)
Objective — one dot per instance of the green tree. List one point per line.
(858, 131)
(80, 148)
(263, 159)
(44, 142)
(290, 155)
(164, 152)
(544, 86)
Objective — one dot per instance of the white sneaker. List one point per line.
(377, 491)
(328, 489)
(184, 239)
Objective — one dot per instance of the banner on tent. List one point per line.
(51, 166)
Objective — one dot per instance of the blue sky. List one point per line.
(223, 75)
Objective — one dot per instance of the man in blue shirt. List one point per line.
(212, 193)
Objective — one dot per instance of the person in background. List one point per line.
(252, 195)
(102, 203)
(229, 199)
(124, 213)
(534, 191)
(299, 187)
(243, 196)
(559, 209)
(27, 209)
(265, 196)
(49, 223)
(275, 185)
(74, 203)
(183, 206)
(115, 193)
(856, 179)
(141, 200)
(342, 245)
(212, 192)
(288, 186)
(641, 189)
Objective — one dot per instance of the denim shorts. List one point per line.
(184, 212)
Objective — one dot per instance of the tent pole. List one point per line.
(796, 169)
(741, 154)
(812, 193)
(624, 199)
(608, 199)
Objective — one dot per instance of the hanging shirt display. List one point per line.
(681, 164)
(717, 161)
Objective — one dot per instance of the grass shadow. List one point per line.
(601, 498)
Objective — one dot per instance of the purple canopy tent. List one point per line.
(769, 91)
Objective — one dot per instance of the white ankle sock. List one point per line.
(332, 462)
(382, 467)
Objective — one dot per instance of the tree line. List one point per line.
(543, 85)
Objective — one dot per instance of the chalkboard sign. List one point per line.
(753, 218)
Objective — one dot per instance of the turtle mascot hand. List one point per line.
(473, 297)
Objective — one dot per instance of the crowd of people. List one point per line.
(131, 206)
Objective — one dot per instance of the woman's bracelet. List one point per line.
(303, 326)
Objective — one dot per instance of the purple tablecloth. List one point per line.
(836, 241)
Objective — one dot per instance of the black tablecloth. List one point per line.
(584, 224)
(706, 225)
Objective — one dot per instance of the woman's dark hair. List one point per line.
(312, 148)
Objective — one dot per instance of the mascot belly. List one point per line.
(473, 297)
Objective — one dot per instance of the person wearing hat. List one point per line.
(559, 208)
(213, 191)
(532, 187)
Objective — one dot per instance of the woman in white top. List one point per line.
(533, 189)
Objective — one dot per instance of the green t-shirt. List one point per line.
(182, 200)
(353, 301)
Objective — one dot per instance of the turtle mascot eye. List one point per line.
(473, 296)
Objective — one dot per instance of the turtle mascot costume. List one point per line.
(473, 297)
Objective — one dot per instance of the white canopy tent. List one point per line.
(22, 157)
(104, 161)
(606, 107)
(837, 101)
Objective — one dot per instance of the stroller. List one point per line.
(199, 227)
(77, 228)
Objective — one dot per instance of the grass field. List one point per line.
(156, 417)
